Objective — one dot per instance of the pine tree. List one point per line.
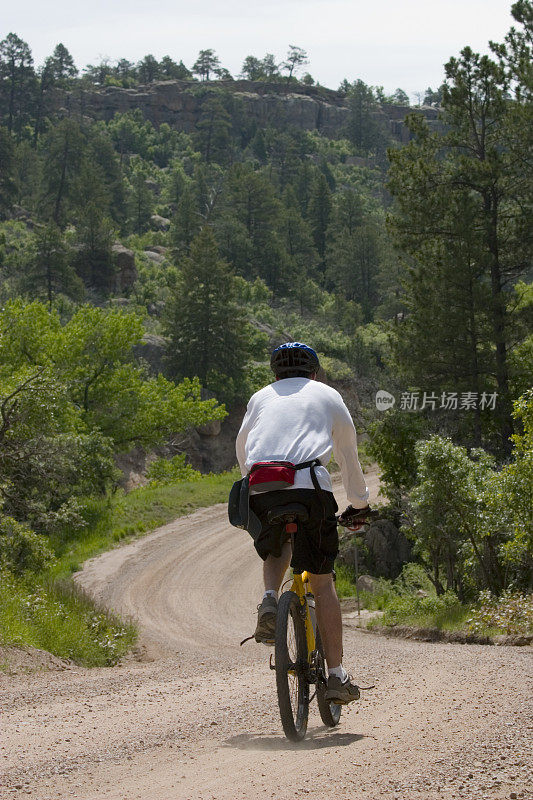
(101, 154)
(206, 63)
(298, 241)
(362, 129)
(319, 214)
(141, 199)
(463, 201)
(17, 79)
(94, 262)
(186, 222)
(213, 132)
(62, 66)
(353, 265)
(304, 183)
(148, 69)
(252, 201)
(63, 148)
(50, 271)
(172, 71)
(208, 333)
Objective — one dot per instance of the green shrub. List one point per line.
(21, 549)
(163, 471)
(415, 578)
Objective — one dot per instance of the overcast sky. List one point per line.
(394, 43)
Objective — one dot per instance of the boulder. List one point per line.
(156, 248)
(23, 215)
(152, 349)
(160, 223)
(388, 549)
(156, 258)
(365, 583)
(126, 270)
(210, 428)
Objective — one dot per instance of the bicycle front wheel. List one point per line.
(291, 667)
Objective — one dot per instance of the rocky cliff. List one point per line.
(179, 103)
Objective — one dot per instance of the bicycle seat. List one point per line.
(288, 513)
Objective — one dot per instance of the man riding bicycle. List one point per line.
(298, 421)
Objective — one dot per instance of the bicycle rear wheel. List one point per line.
(291, 666)
(330, 713)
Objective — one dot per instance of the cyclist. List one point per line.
(298, 420)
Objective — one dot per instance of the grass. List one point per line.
(55, 616)
(443, 613)
(121, 516)
(344, 581)
(50, 612)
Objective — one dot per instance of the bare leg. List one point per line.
(328, 614)
(274, 569)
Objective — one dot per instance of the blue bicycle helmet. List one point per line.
(294, 357)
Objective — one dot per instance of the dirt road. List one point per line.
(196, 717)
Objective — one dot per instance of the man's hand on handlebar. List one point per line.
(354, 518)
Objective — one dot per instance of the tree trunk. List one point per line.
(475, 363)
(498, 321)
(61, 189)
(12, 97)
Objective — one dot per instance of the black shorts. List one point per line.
(316, 542)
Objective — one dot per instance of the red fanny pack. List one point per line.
(266, 476)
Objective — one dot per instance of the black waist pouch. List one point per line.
(239, 511)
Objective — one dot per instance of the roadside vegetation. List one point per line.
(411, 601)
(470, 525)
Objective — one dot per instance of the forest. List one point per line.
(405, 262)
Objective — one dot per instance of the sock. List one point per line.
(339, 672)
(270, 593)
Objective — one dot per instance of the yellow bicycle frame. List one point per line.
(299, 587)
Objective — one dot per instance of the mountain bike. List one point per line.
(299, 659)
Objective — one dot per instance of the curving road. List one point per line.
(193, 715)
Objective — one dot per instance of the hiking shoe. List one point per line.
(265, 631)
(341, 693)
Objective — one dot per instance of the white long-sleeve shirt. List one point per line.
(296, 420)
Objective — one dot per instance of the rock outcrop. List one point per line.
(126, 270)
(180, 104)
(159, 223)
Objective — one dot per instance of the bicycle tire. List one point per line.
(291, 651)
(330, 713)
